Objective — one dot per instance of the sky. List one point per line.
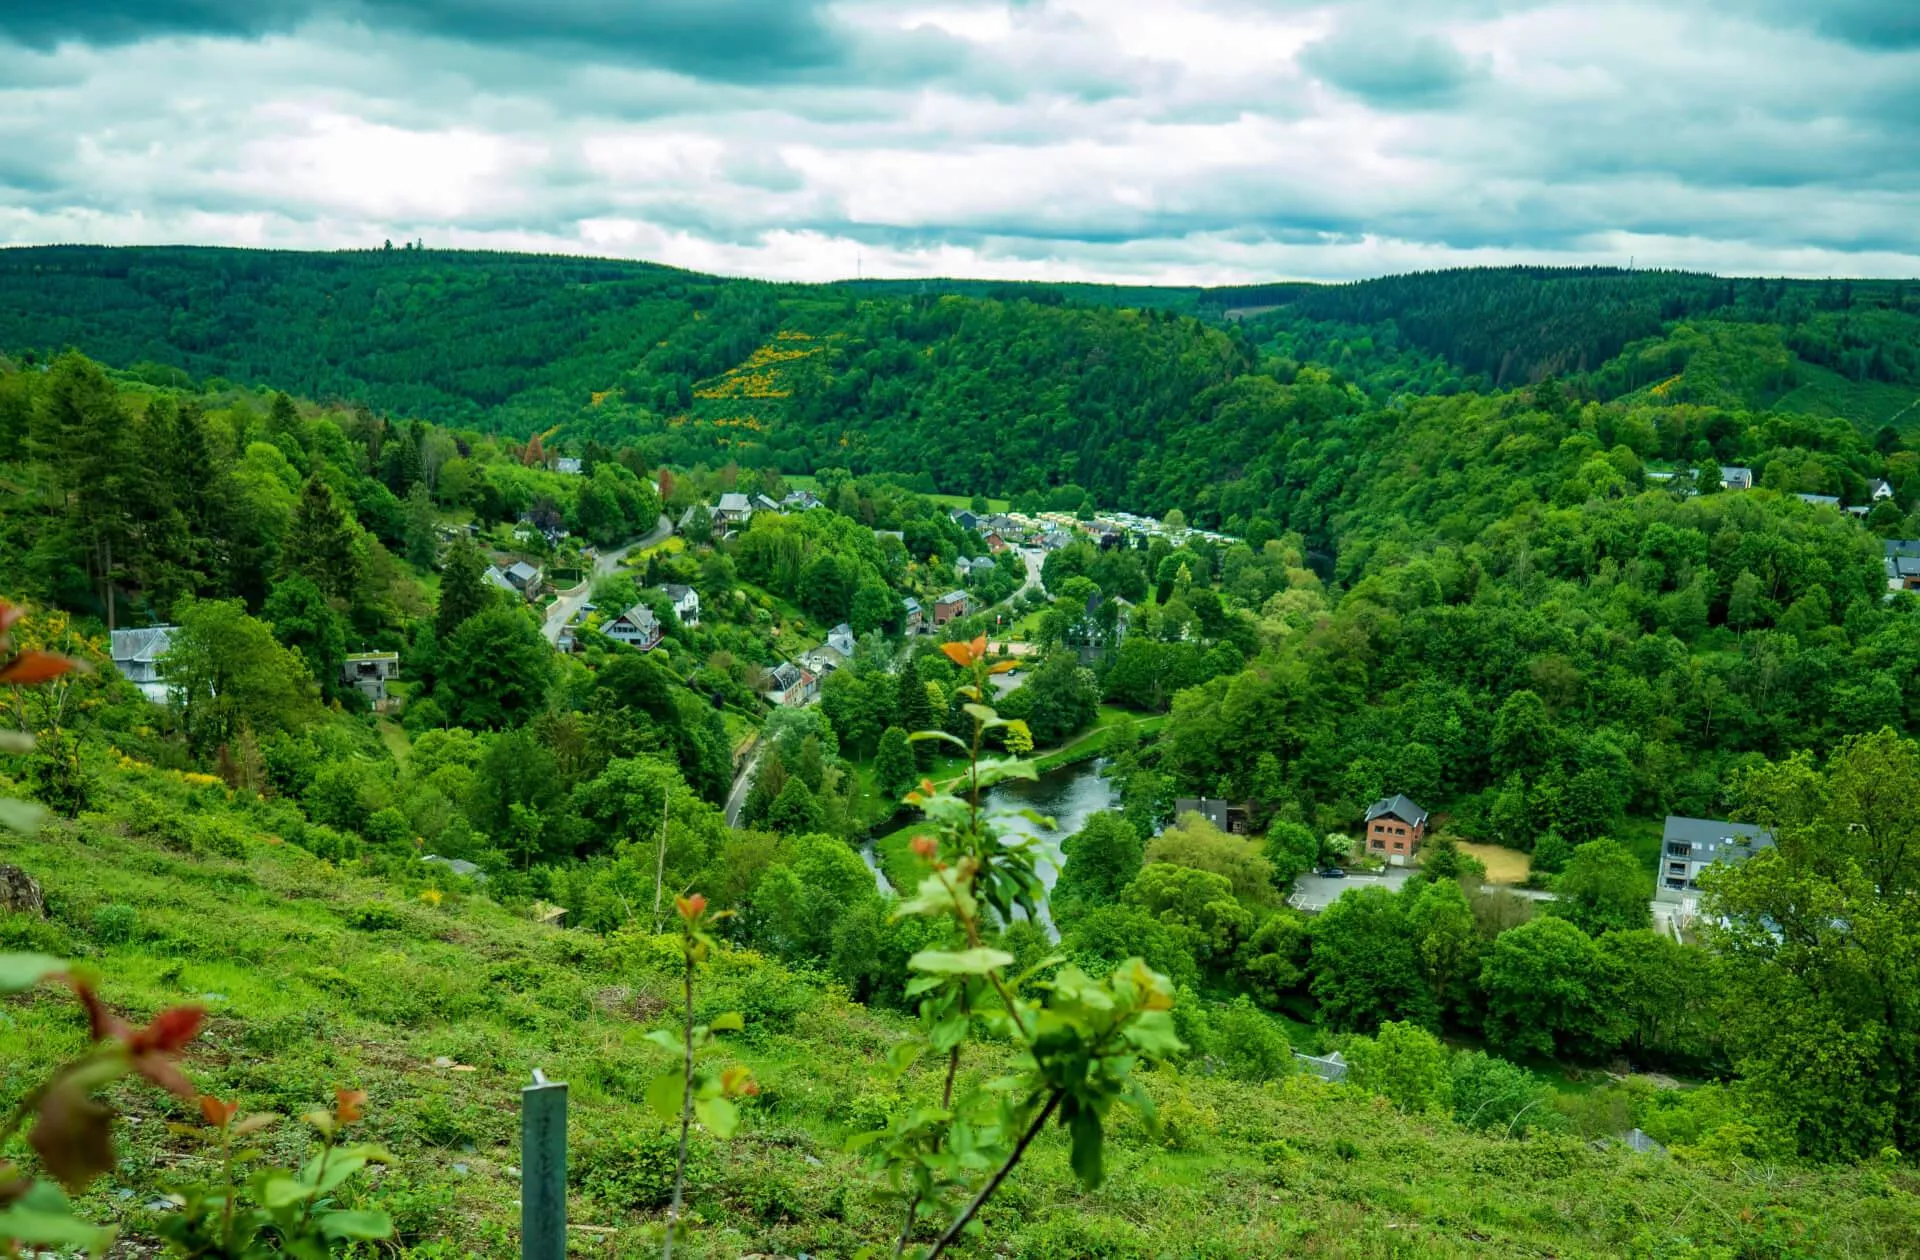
(1153, 141)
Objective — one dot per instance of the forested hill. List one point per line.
(981, 385)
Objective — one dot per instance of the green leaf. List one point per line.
(666, 1039)
(666, 1095)
(366, 1224)
(23, 971)
(279, 1189)
(16, 742)
(22, 816)
(949, 1032)
(967, 962)
(957, 742)
(731, 1021)
(719, 1115)
(1086, 1158)
(986, 717)
(1152, 1034)
(43, 1217)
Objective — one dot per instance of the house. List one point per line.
(1395, 828)
(761, 503)
(916, 618)
(947, 607)
(1735, 477)
(686, 602)
(963, 566)
(1819, 500)
(1095, 628)
(982, 562)
(137, 653)
(1690, 845)
(1332, 1068)
(822, 660)
(996, 544)
(1878, 490)
(840, 639)
(1232, 819)
(567, 465)
(965, 519)
(459, 866)
(1903, 564)
(498, 580)
(733, 510)
(799, 501)
(370, 673)
(636, 627)
(523, 578)
(790, 685)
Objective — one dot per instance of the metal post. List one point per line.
(543, 1169)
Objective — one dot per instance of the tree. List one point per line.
(1403, 1063)
(226, 675)
(1248, 1045)
(1603, 889)
(796, 812)
(874, 608)
(423, 535)
(1492, 1094)
(463, 587)
(1823, 947)
(1365, 966)
(1194, 842)
(1522, 735)
(801, 901)
(1547, 992)
(320, 541)
(893, 765)
(302, 620)
(1102, 858)
(1063, 698)
(1447, 942)
(495, 669)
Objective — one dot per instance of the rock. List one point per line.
(20, 892)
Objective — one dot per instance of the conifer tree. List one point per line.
(320, 541)
(463, 587)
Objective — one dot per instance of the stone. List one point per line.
(20, 892)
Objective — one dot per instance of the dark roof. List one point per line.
(1398, 807)
(1209, 808)
(953, 597)
(1711, 837)
(675, 591)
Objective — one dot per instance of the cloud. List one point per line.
(1387, 64)
(1179, 140)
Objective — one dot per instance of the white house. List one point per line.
(567, 465)
(636, 627)
(790, 685)
(1690, 845)
(1878, 490)
(732, 510)
(686, 602)
(137, 653)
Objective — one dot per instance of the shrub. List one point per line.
(634, 1170)
(374, 916)
(115, 923)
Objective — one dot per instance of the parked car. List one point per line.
(1331, 872)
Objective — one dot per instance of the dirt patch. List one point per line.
(1504, 865)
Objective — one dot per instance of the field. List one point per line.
(1504, 865)
(318, 976)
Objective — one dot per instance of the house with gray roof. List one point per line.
(916, 616)
(732, 511)
(790, 685)
(1736, 477)
(636, 627)
(1820, 500)
(137, 653)
(686, 602)
(1395, 827)
(840, 639)
(1690, 845)
(1902, 556)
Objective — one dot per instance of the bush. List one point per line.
(374, 916)
(115, 923)
(634, 1170)
(1247, 1045)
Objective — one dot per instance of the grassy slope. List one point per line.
(304, 999)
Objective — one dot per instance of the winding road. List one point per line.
(604, 563)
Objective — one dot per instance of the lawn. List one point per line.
(1504, 865)
(801, 481)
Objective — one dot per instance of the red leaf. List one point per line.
(31, 668)
(960, 654)
(218, 1113)
(73, 1136)
(169, 1032)
(979, 647)
(102, 1023)
(347, 1104)
(9, 613)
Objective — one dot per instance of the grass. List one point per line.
(394, 736)
(803, 481)
(320, 976)
(1504, 865)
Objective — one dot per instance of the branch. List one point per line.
(993, 1184)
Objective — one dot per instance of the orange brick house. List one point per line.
(1395, 828)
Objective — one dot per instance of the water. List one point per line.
(1069, 796)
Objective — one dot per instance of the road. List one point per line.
(1314, 893)
(604, 563)
(741, 782)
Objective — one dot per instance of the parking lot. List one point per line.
(1314, 893)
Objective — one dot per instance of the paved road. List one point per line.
(604, 562)
(1314, 893)
(737, 797)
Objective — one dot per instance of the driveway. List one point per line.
(604, 563)
(1314, 893)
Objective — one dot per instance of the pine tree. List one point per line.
(915, 713)
(463, 588)
(320, 541)
(422, 527)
